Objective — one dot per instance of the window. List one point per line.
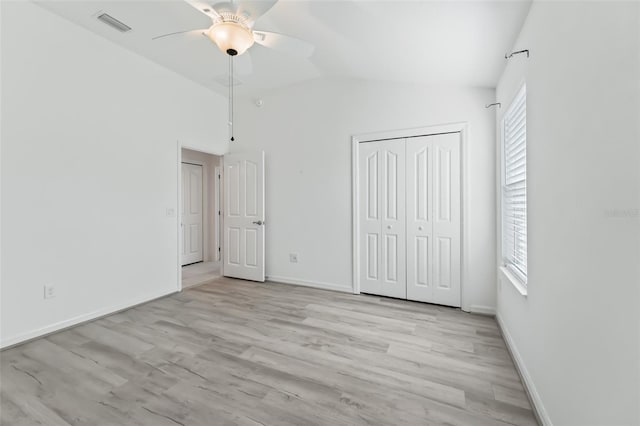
(514, 187)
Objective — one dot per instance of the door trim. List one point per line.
(177, 201)
(356, 140)
(217, 196)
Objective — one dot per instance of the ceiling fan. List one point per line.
(232, 31)
(232, 28)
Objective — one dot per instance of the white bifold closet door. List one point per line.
(382, 218)
(410, 218)
(433, 219)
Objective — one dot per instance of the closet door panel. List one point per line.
(419, 178)
(393, 221)
(446, 219)
(382, 218)
(370, 205)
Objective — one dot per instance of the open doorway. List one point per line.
(200, 220)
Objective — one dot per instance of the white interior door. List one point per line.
(192, 248)
(243, 250)
(382, 218)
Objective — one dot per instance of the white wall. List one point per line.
(306, 132)
(89, 167)
(577, 332)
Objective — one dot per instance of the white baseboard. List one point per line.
(481, 309)
(529, 386)
(314, 284)
(68, 323)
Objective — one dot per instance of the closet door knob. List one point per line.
(419, 228)
(388, 226)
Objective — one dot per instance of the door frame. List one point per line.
(356, 140)
(217, 196)
(178, 200)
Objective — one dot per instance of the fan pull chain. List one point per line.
(231, 97)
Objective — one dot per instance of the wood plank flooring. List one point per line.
(200, 273)
(238, 353)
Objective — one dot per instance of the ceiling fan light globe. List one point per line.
(231, 37)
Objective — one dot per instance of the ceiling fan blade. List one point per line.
(204, 8)
(254, 9)
(225, 7)
(283, 43)
(190, 32)
(243, 64)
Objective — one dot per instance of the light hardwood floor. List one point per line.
(234, 352)
(200, 273)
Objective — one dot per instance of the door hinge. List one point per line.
(219, 249)
(218, 212)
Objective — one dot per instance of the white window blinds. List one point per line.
(514, 187)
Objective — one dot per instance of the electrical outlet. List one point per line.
(293, 258)
(49, 291)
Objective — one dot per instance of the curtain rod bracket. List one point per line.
(508, 56)
(498, 104)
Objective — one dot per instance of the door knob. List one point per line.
(259, 222)
(419, 228)
(388, 226)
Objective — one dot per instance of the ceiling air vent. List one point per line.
(114, 23)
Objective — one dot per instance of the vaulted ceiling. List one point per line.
(457, 43)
